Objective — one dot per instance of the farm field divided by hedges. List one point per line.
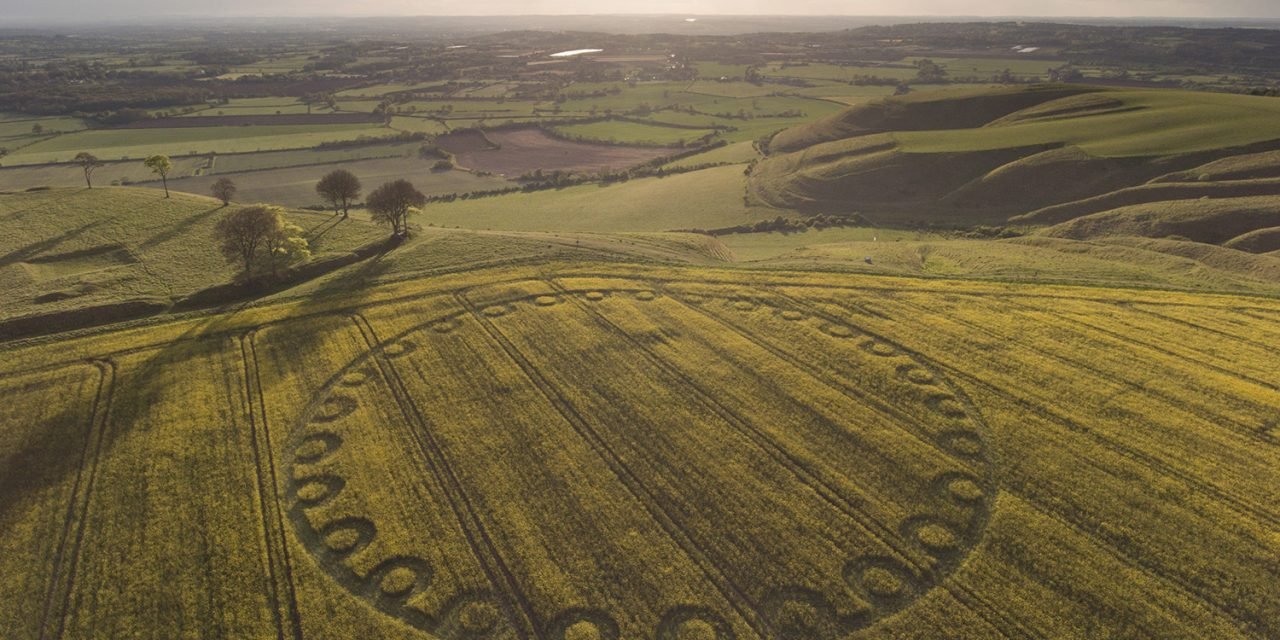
(116, 144)
(609, 452)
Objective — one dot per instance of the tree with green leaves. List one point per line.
(286, 246)
(161, 166)
(250, 235)
(340, 188)
(223, 189)
(392, 202)
(88, 164)
(929, 71)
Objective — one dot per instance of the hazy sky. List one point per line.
(84, 9)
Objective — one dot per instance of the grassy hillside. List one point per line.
(72, 248)
(1246, 166)
(923, 111)
(1141, 123)
(1209, 221)
(652, 453)
(1257, 241)
(982, 156)
(706, 199)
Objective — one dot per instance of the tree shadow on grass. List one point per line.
(179, 228)
(52, 450)
(55, 450)
(5, 217)
(325, 226)
(23, 253)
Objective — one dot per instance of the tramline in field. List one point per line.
(631, 452)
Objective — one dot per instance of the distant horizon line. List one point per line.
(168, 19)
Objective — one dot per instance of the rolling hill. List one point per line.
(72, 249)
(986, 156)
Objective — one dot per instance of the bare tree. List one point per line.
(161, 166)
(223, 189)
(88, 163)
(340, 188)
(392, 202)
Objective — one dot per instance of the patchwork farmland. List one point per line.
(596, 451)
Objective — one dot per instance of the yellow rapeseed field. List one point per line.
(608, 452)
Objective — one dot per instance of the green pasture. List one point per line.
(116, 144)
(1159, 123)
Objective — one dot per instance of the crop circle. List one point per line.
(897, 562)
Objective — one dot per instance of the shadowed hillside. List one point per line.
(986, 156)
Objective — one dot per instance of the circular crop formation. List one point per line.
(928, 543)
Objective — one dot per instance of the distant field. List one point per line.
(817, 71)
(256, 106)
(281, 64)
(684, 119)
(114, 144)
(716, 70)
(987, 67)
(736, 153)
(232, 163)
(66, 175)
(524, 150)
(417, 125)
(707, 199)
(848, 94)
(259, 120)
(730, 89)
(924, 459)
(451, 108)
(295, 187)
(20, 126)
(383, 89)
(624, 132)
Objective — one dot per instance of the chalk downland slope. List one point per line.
(924, 111)
(72, 248)
(1256, 241)
(1210, 221)
(986, 156)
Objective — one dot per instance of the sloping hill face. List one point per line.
(922, 112)
(1246, 166)
(1058, 174)
(1163, 192)
(66, 249)
(848, 174)
(1046, 153)
(1204, 221)
(1257, 241)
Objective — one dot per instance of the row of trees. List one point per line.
(159, 165)
(390, 203)
(259, 235)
